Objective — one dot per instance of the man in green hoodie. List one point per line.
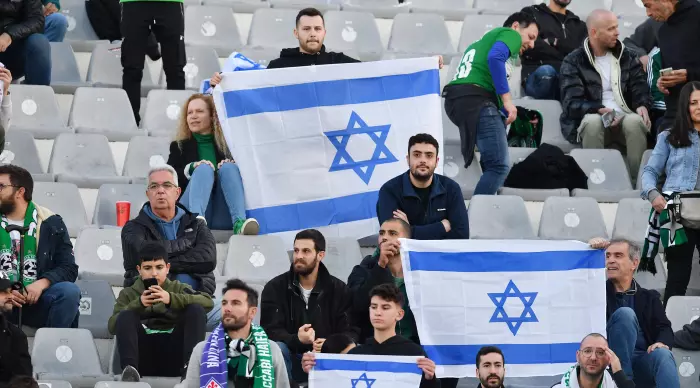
(157, 321)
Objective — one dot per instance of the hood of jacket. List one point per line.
(167, 228)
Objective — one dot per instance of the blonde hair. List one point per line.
(183, 130)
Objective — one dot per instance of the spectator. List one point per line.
(385, 310)
(5, 105)
(561, 32)
(603, 77)
(431, 203)
(658, 108)
(681, 24)
(304, 306)
(49, 296)
(244, 340)
(23, 382)
(14, 350)
(199, 154)
(643, 40)
(157, 321)
(56, 23)
(638, 330)
(190, 245)
(338, 344)
(24, 49)
(478, 98)
(591, 370)
(490, 367)
(673, 149)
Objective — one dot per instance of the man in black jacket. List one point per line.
(302, 307)
(605, 95)
(14, 351)
(561, 32)
(23, 47)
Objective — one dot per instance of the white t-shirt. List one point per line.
(605, 65)
(306, 294)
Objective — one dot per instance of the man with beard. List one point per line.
(48, 296)
(591, 369)
(251, 359)
(302, 307)
(431, 203)
(14, 350)
(490, 367)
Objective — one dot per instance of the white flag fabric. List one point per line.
(535, 300)
(365, 371)
(314, 144)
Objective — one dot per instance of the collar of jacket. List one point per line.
(679, 15)
(409, 191)
(321, 280)
(615, 72)
(296, 52)
(542, 7)
(145, 220)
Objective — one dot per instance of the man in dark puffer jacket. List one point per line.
(24, 50)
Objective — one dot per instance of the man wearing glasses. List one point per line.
(190, 244)
(591, 370)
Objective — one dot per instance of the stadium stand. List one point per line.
(36, 111)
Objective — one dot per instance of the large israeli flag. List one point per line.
(360, 371)
(535, 300)
(314, 144)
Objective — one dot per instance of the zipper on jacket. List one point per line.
(563, 27)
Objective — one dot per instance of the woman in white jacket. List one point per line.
(5, 105)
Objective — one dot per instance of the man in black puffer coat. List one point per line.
(24, 49)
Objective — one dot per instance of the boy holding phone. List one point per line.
(157, 321)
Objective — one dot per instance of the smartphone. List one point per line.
(608, 118)
(148, 283)
(666, 71)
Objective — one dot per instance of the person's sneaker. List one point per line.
(130, 375)
(248, 227)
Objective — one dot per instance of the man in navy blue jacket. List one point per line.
(431, 203)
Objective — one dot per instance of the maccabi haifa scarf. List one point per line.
(570, 379)
(664, 229)
(8, 261)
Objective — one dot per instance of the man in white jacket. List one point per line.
(591, 370)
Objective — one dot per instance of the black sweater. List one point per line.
(292, 57)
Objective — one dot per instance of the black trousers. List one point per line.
(160, 354)
(167, 21)
(680, 264)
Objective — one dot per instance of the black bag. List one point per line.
(547, 168)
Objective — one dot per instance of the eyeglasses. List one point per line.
(2, 186)
(632, 291)
(156, 186)
(588, 352)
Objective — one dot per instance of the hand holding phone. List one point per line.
(666, 71)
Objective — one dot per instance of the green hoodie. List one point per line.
(159, 316)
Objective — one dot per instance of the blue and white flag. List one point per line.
(314, 144)
(365, 371)
(535, 300)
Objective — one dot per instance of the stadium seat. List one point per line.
(20, 150)
(645, 160)
(121, 384)
(517, 155)
(202, 63)
(571, 219)
(342, 254)
(627, 25)
(273, 28)
(257, 287)
(353, 31)
(98, 253)
(80, 34)
(105, 68)
(63, 199)
(65, 75)
(454, 168)
(321, 5)
(450, 132)
(420, 33)
(212, 26)
(105, 111)
(84, 159)
(687, 363)
(681, 310)
(454, 10)
(96, 302)
(36, 111)
(110, 194)
(475, 26)
(143, 153)
(626, 8)
(162, 112)
(632, 220)
(152, 381)
(501, 7)
(52, 383)
(240, 6)
(256, 259)
(499, 217)
(221, 254)
(584, 8)
(551, 131)
(386, 9)
(608, 179)
(260, 55)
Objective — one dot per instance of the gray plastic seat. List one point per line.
(162, 112)
(65, 75)
(20, 150)
(353, 31)
(63, 199)
(257, 287)
(105, 68)
(584, 8)
(551, 131)
(80, 34)
(321, 5)
(380, 8)
(256, 259)
(242, 6)
(98, 253)
(627, 25)
(143, 153)
(454, 168)
(501, 7)
(105, 111)
(96, 297)
(518, 154)
(202, 63)
(608, 179)
(110, 194)
(454, 10)
(84, 159)
(35, 110)
(273, 28)
(571, 219)
(632, 220)
(645, 159)
(420, 33)
(626, 8)
(121, 384)
(212, 26)
(475, 26)
(682, 310)
(687, 364)
(53, 383)
(261, 55)
(342, 254)
(499, 217)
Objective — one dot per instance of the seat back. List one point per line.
(687, 362)
(627, 25)
(35, 106)
(64, 67)
(420, 33)
(20, 150)
(79, 27)
(605, 168)
(682, 310)
(145, 152)
(105, 68)
(98, 253)
(499, 217)
(163, 109)
(518, 154)
(632, 219)
(273, 28)
(212, 26)
(202, 63)
(63, 199)
(551, 128)
(54, 384)
(96, 302)
(109, 194)
(571, 218)
(453, 168)
(501, 7)
(105, 109)
(353, 31)
(256, 259)
(584, 8)
(342, 254)
(645, 159)
(68, 352)
(82, 155)
(627, 8)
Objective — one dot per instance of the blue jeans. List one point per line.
(57, 308)
(31, 58)
(493, 145)
(543, 84)
(55, 27)
(290, 361)
(213, 316)
(642, 367)
(208, 194)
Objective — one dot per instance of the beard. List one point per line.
(485, 382)
(236, 323)
(594, 375)
(306, 270)
(307, 47)
(562, 3)
(421, 177)
(7, 206)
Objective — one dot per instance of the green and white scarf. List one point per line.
(664, 228)
(570, 379)
(8, 262)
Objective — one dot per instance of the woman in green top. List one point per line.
(211, 182)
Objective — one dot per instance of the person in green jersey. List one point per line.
(478, 98)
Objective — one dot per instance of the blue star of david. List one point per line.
(363, 378)
(343, 160)
(512, 291)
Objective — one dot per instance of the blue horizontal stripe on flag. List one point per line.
(331, 93)
(367, 366)
(527, 354)
(313, 214)
(506, 261)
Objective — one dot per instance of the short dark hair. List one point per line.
(593, 335)
(388, 292)
(153, 251)
(19, 177)
(336, 343)
(309, 12)
(238, 284)
(488, 350)
(23, 382)
(423, 138)
(523, 18)
(316, 236)
(406, 227)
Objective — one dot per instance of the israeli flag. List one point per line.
(314, 144)
(534, 299)
(360, 371)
